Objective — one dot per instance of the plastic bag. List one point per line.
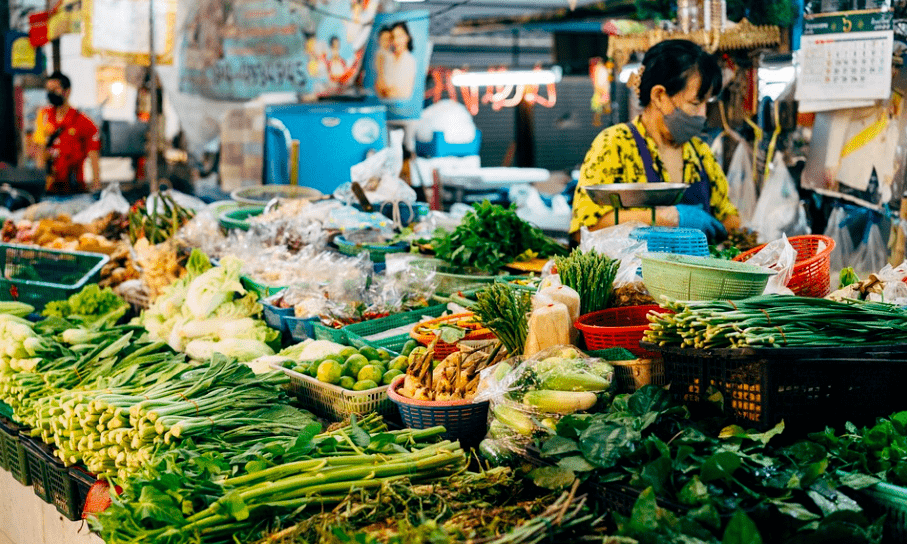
(837, 230)
(872, 253)
(379, 176)
(616, 243)
(780, 256)
(778, 210)
(110, 201)
(741, 186)
(527, 397)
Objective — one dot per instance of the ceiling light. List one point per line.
(506, 77)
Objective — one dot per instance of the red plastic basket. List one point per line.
(617, 327)
(443, 349)
(812, 268)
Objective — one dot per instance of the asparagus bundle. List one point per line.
(590, 274)
(504, 310)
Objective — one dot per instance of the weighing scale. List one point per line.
(636, 195)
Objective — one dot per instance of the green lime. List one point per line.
(334, 357)
(347, 351)
(347, 382)
(370, 372)
(398, 363)
(369, 352)
(384, 354)
(329, 372)
(390, 375)
(380, 364)
(349, 370)
(364, 385)
(356, 362)
(408, 347)
(302, 368)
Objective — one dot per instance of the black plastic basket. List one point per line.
(14, 452)
(82, 480)
(37, 468)
(807, 388)
(620, 499)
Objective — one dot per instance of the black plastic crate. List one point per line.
(82, 480)
(37, 468)
(14, 452)
(619, 498)
(807, 388)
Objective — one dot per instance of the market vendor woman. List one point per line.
(677, 78)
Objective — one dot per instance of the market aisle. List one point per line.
(26, 519)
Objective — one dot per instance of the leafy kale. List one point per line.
(490, 237)
(88, 306)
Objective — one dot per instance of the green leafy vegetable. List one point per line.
(491, 236)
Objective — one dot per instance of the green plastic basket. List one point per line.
(37, 276)
(452, 279)
(239, 218)
(323, 332)
(377, 252)
(891, 500)
(685, 277)
(260, 289)
(373, 332)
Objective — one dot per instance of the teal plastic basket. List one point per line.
(374, 332)
(685, 277)
(37, 276)
(239, 217)
(451, 279)
(323, 332)
(260, 289)
(377, 252)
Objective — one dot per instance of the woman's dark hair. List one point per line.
(384, 29)
(671, 63)
(334, 39)
(409, 42)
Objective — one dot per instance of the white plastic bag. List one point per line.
(741, 186)
(778, 210)
(872, 253)
(379, 176)
(616, 243)
(780, 256)
(837, 230)
(111, 200)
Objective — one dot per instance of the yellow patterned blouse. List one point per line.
(613, 158)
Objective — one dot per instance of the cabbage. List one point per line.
(215, 287)
(242, 349)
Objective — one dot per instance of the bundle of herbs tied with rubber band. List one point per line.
(491, 237)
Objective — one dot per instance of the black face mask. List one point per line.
(55, 99)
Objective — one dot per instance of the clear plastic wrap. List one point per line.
(110, 201)
(379, 176)
(778, 255)
(616, 243)
(887, 285)
(527, 397)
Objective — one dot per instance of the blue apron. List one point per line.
(697, 194)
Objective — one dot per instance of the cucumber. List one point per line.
(494, 453)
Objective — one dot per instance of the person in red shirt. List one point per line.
(65, 138)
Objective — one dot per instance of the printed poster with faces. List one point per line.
(845, 56)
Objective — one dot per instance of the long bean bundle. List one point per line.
(590, 274)
(503, 310)
(768, 321)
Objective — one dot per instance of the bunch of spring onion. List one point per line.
(591, 274)
(776, 321)
(197, 498)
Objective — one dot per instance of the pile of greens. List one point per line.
(492, 236)
(711, 474)
(88, 306)
(877, 453)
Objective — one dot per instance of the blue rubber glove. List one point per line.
(694, 217)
